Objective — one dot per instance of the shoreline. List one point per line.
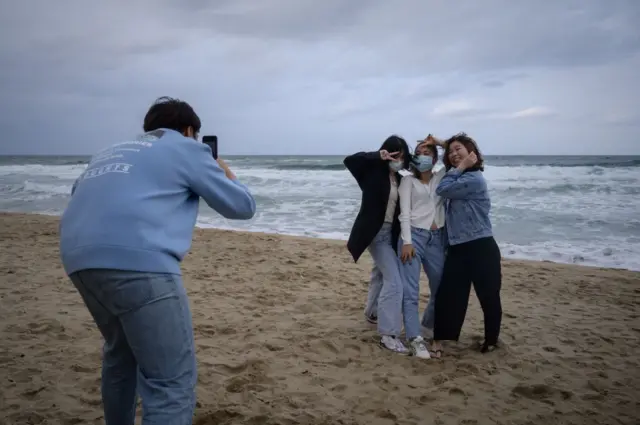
(290, 235)
(281, 339)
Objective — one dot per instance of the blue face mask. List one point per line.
(396, 165)
(423, 163)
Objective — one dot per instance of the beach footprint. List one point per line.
(541, 392)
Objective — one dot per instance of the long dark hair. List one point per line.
(469, 144)
(398, 144)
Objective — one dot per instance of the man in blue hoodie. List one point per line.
(123, 235)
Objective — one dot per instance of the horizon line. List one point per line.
(308, 155)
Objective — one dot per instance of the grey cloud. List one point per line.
(630, 120)
(503, 80)
(295, 67)
(419, 37)
(494, 83)
(472, 35)
(468, 111)
(292, 20)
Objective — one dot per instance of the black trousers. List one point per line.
(476, 261)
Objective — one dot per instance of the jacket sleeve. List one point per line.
(207, 179)
(359, 163)
(458, 185)
(404, 192)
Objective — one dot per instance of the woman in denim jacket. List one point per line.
(473, 254)
(377, 230)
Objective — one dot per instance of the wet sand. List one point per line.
(281, 339)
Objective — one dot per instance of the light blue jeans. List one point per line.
(375, 285)
(148, 350)
(385, 288)
(430, 254)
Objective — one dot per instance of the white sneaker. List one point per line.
(393, 344)
(418, 348)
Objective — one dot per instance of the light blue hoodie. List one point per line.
(135, 206)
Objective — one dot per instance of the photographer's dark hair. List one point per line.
(398, 144)
(174, 114)
(469, 144)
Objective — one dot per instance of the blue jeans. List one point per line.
(387, 282)
(148, 350)
(430, 254)
(375, 286)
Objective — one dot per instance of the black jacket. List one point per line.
(372, 175)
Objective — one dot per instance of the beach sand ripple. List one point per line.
(281, 339)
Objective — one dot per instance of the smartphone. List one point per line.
(212, 141)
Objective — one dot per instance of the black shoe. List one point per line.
(487, 348)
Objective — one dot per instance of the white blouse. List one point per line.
(393, 200)
(419, 205)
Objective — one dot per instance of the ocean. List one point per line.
(567, 209)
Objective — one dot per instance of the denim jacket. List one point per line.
(467, 206)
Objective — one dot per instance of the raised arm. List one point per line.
(360, 163)
(458, 185)
(404, 192)
(207, 179)
(433, 140)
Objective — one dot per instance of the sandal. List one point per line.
(437, 353)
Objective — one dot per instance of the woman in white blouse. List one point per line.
(423, 240)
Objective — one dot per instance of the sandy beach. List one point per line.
(281, 339)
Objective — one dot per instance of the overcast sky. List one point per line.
(324, 77)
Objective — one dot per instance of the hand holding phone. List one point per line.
(227, 170)
(212, 142)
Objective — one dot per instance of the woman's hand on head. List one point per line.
(386, 156)
(432, 140)
(468, 162)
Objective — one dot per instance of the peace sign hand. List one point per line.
(386, 156)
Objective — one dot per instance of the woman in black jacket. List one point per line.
(377, 229)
